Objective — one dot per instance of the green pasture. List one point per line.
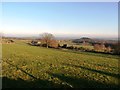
(30, 66)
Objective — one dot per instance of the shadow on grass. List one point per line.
(93, 54)
(103, 65)
(69, 82)
(97, 71)
(81, 82)
(39, 83)
(20, 83)
(21, 70)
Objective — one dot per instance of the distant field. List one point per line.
(29, 66)
(70, 43)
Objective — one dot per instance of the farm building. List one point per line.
(8, 41)
(35, 43)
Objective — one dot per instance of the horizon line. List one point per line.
(62, 35)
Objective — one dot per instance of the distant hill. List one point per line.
(83, 39)
(89, 40)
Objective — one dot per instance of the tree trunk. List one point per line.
(47, 46)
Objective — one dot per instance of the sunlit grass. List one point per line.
(59, 67)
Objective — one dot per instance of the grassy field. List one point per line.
(70, 43)
(29, 66)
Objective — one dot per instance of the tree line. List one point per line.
(48, 40)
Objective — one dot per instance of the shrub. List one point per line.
(64, 46)
(116, 48)
(70, 47)
(54, 44)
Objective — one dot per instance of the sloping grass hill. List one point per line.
(30, 66)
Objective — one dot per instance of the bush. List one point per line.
(70, 47)
(81, 48)
(64, 46)
(54, 44)
(116, 48)
(44, 45)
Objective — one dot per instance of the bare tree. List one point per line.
(47, 38)
(96, 47)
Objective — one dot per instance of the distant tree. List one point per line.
(64, 46)
(116, 48)
(59, 45)
(54, 44)
(47, 39)
(96, 47)
(99, 47)
(81, 48)
(102, 47)
(70, 47)
(108, 49)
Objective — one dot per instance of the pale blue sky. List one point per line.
(84, 19)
